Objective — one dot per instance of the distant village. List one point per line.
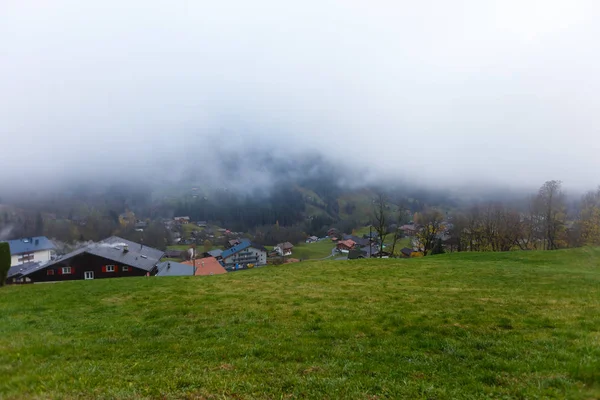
(38, 260)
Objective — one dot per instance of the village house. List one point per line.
(284, 249)
(182, 220)
(172, 268)
(245, 253)
(407, 252)
(358, 240)
(232, 242)
(114, 257)
(37, 249)
(345, 246)
(216, 253)
(15, 273)
(207, 266)
(409, 229)
(355, 254)
(312, 239)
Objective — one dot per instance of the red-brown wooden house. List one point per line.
(111, 258)
(345, 245)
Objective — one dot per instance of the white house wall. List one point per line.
(38, 256)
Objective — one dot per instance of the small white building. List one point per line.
(38, 249)
(284, 249)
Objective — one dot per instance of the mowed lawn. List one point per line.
(313, 251)
(519, 325)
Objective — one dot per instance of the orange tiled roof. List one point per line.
(207, 266)
(348, 243)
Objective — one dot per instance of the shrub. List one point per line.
(4, 262)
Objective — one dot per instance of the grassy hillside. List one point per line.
(313, 251)
(519, 325)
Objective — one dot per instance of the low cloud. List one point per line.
(441, 95)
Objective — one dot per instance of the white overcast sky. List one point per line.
(442, 92)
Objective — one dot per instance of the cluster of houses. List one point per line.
(33, 260)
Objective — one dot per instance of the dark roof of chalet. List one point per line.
(233, 242)
(357, 240)
(215, 253)
(361, 241)
(286, 245)
(244, 244)
(407, 251)
(368, 250)
(30, 245)
(22, 269)
(171, 268)
(113, 248)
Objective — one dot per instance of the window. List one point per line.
(66, 270)
(26, 258)
(50, 272)
(110, 268)
(125, 269)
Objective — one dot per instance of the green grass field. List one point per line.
(517, 325)
(313, 251)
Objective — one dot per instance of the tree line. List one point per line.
(542, 222)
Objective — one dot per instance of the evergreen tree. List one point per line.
(4, 262)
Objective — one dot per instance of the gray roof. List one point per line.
(368, 250)
(22, 269)
(170, 268)
(407, 251)
(113, 248)
(215, 253)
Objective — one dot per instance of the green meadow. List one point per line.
(519, 325)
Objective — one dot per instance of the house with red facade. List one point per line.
(346, 245)
(114, 257)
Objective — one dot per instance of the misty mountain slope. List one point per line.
(456, 326)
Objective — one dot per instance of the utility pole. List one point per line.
(193, 247)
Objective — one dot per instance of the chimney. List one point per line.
(125, 249)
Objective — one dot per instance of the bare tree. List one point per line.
(431, 226)
(380, 219)
(551, 200)
(397, 235)
(588, 221)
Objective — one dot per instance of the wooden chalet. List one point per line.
(114, 257)
(284, 249)
(345, 245)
